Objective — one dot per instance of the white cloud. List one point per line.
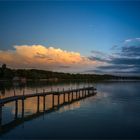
(132, 40)
(128, 40)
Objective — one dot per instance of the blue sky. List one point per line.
(78, 26)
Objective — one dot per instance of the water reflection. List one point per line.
(112, 114)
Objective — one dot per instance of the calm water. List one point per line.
(114, 112)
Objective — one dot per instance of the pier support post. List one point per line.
(92, 91)
(16, 109)
(89, 93)
(38, 103)
(58, 99)
(44, 103)
(79, 94)
(52, 100)
(22, 108)
(64, 98)
(72, 96)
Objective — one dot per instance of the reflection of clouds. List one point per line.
(101, 95)
(70, 107)
(123, 97)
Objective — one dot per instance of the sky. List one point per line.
(71, 36)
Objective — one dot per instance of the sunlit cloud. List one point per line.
(48, 58)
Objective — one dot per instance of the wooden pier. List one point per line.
(71, 94)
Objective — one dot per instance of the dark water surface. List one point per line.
(114, 112)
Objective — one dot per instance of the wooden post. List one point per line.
(58, 99)
(82, 94)
(72, 95)
(16, 109)
(23, 108)
(52, 100)
(79, 94)
(63, 96)
(85, 93)
(88, 91)
(76, 95)
(92, 91)
(44, 103)
(69, 94)
(37, 103)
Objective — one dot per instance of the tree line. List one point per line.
(35, 74)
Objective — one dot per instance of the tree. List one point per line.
(3, 69)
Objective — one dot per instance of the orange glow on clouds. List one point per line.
(48, 58)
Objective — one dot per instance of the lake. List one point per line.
(114, 112)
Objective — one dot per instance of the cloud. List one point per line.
(126, 59)
(132, 40)
(49, 58)
(128, 40)
(99, 56)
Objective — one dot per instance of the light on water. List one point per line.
(113, 112)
